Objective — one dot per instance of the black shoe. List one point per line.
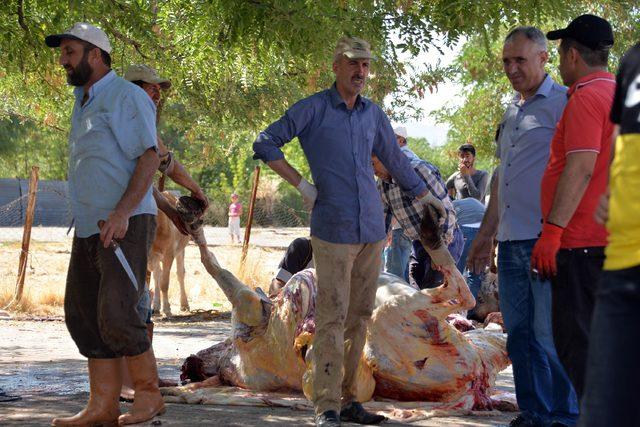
(558, 424)
(327, 419)
(355, 413)
(521, 421)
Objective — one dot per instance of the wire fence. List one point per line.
(53, 208)
(278, 219)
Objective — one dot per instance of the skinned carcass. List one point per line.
(169, 245)
(411, 353)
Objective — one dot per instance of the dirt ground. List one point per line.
(49, 257)
(40, 363)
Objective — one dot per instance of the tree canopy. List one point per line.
(236, 65)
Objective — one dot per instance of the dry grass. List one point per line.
(47, 268)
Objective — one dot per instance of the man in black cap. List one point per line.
(570, 250)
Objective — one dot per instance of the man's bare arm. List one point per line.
(480, 252)
(292, 176)
(142, 178)
(571, 187)
(178, 174)
(286, 171)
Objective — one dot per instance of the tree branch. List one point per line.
(136, 44)
(20, 14)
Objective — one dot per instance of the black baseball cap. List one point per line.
(590, 30)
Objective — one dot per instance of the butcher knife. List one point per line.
(123, 260)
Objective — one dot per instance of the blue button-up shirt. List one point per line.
(525, 136)
(338, 143)
(116, 124)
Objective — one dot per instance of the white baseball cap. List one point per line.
(401, 131)
(82, 31)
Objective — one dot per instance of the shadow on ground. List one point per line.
(40, 363)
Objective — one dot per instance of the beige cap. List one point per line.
(147, 74)
(353, 48)
(81, 31)
(401, 131)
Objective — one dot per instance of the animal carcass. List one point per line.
(168, 245)
(412, 352)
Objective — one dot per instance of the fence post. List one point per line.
(26, 237)
(247, 229)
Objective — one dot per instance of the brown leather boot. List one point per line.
(103, 408)
(147, 402)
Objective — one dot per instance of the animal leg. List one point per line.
(164, 284)
(156, 270)
(184, 301)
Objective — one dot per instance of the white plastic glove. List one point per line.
(309, 194)
(430, 200)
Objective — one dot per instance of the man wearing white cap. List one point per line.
(112, 159)
(398, 249)
(401, 137)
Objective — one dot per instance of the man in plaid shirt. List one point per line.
(409, 212)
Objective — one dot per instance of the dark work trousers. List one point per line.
(298, 256)
(572, 298)
(611, 388)
(100, 300)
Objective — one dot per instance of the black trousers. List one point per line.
(611, 392)
(100, 300)
(298, 256)
(573, 292)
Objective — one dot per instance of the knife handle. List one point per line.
(113, 244)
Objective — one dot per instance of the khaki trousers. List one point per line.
(347, 283)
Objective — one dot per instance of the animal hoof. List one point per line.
(185, 308)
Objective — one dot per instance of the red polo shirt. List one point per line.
(584, 126)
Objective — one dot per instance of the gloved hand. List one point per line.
(543, 257)
(309, 193)
(430, 200)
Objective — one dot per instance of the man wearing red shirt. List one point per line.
(570, 250)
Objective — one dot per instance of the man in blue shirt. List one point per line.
(339, 130)
(112, 159)
(469, 214)
(543, 390)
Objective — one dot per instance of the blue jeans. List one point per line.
(474, 281)
(397, 255)
(611, 390)
(420, 272)
(543, 389)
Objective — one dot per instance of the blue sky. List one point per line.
(446, 94)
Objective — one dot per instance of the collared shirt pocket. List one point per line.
(88, 132)
(529, 122)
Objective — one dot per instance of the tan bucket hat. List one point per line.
(146, 74)
(353, 48)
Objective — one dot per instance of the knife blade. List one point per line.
(117, 250)
(123, 261)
